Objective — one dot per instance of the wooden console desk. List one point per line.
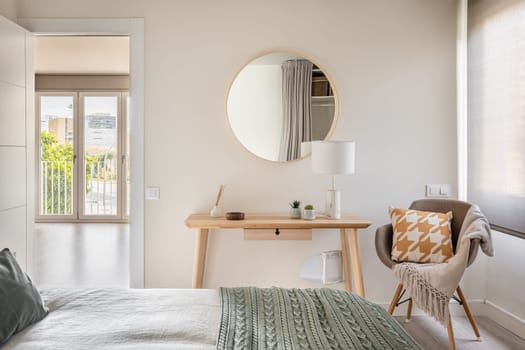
(282, 227)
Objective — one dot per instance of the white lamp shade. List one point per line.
(333, 157)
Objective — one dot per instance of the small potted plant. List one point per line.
(295, 211)
(309, 212)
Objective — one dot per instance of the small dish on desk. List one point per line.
(234, 215)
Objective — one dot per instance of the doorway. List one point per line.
(82, 161)
(134, 29)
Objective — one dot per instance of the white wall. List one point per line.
(16, 150)
(499, 282)
(506, 274)
(393, 64)
(81, 55)
(255, 109)
(9, 9)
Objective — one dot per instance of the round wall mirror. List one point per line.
(279, 103)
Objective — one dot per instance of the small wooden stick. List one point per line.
(219, 195)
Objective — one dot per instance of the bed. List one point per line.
(228, 318)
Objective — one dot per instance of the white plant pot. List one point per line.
(295, 213)
(309, 214)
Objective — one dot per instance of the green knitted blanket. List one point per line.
(276, 318)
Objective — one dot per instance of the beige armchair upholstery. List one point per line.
(385, 233)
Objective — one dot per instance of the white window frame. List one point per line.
(81, 183)
(78, 215)
(55, 218)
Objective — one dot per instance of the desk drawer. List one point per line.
(297, 234)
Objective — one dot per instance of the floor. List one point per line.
(82, 255)
(431, 335)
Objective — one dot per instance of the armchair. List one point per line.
(384, 240)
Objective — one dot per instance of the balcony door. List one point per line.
(83, 156)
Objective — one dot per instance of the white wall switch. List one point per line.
(152, 193)
(438, 190)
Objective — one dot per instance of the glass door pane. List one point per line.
(56, 155)
(100, 155)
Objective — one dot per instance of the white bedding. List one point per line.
(124, 319)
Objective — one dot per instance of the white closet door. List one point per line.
(16, 135)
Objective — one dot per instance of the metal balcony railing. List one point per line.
(101, 188)
(56, 186)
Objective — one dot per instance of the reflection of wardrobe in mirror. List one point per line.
(323, 105)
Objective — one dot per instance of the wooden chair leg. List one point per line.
(409, 311)
(394, 300)
(469, 314)
(451, 339)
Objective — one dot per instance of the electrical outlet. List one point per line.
(438, 190)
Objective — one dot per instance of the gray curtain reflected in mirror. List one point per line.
(279, 102)
(297, 101)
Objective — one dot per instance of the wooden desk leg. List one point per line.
(199, 262)
(346, 260)
(356, 262)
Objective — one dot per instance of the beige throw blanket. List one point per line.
(432, 285)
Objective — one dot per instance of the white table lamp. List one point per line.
(333, 158)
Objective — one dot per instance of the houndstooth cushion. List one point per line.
(421, 236)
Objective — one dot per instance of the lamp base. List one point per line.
(333, 204)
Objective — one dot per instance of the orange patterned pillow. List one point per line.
(421, 236)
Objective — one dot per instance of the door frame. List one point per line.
(134, 28)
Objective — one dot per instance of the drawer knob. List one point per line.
(277, 232)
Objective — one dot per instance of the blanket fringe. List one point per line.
(424, 295)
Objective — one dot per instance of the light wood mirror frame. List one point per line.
(293, 55)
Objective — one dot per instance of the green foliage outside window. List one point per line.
(57, 174)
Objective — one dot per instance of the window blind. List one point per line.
(496, 111)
